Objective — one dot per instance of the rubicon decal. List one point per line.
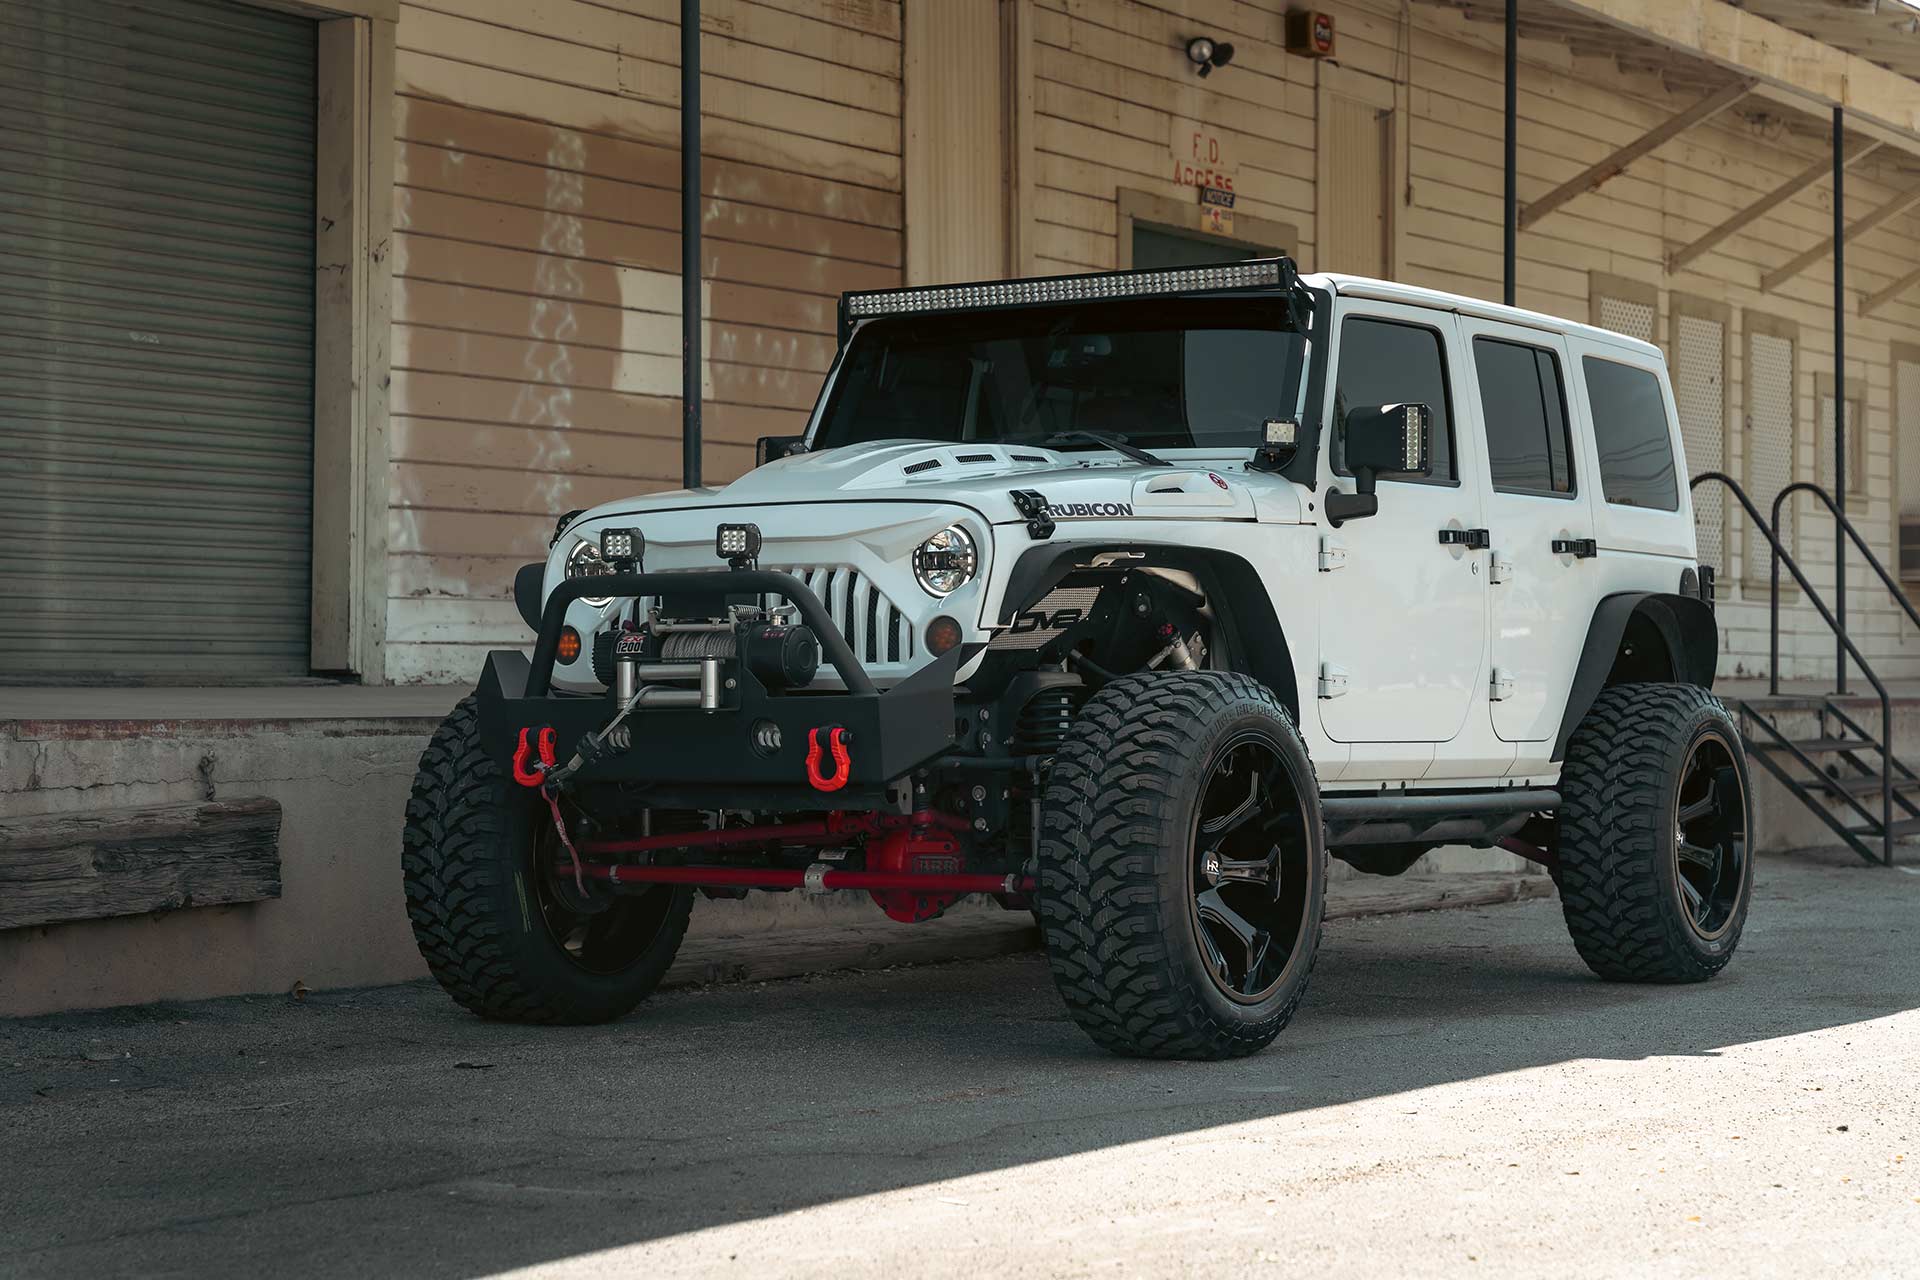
(1086, 510)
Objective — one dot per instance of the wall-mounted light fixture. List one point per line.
(1207, 53)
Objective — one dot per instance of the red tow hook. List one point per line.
(527, 770)
(837, 741)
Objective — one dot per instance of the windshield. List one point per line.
(1167, 374)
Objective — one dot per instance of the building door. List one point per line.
(156, 340)
(1163, 247)
(1355, 174)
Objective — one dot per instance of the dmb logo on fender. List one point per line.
(1084, 510)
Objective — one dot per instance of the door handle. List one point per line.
(1472, 539)
(1578, 548)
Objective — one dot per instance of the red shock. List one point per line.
(838, 740)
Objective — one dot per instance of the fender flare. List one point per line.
(1685, 625)
(1240, 603)
(528, 593)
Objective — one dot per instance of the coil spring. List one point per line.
(689, 646)
(1042, 724)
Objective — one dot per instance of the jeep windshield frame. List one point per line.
(1178, 373)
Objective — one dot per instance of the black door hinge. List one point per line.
(1472, 539)
(1578, 548)
(1031, 504)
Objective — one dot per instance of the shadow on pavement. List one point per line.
(384, 1131)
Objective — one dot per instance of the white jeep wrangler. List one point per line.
(1139, 594)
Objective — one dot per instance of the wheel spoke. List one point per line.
(1696, 901)
(1706, 859)
(1256, 961)
(1214, 908)
(1249, 870)
(1700, 808)
(1219, 828)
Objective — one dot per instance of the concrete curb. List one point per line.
(719, 959)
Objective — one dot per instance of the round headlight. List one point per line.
(945, 562)
(584, 562)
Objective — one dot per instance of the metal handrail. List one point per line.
(1783, 556)
(1846, 526)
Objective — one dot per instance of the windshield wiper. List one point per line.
(1112, 440)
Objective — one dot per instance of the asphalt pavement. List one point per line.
(1456, 1097)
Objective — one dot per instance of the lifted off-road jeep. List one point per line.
(1138, 595)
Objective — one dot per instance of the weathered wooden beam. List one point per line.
(1766, 204)
(119, 862)
(1751, 46)
(1874, 302)
(1891, 209)
(1614, 165)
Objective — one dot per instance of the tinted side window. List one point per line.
(1633, 436)
(1525, 408)
(1385, 362)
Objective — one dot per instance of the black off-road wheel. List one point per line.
(506, 936)
(1655, 822)
(1182, 866)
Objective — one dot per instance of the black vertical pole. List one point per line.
(690, 243)
(1512, 219)
(1840, 388)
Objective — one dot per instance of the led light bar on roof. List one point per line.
(1258, 273)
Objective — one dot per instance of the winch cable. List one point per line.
(555, 778)
(552, 792)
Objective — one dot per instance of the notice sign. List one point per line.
(1200, 157)
(1216, 210)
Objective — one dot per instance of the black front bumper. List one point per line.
(685, 757)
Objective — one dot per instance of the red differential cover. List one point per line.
(914, 853)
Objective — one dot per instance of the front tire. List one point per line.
(1182, 866)
(504, 937)
(1655, 822)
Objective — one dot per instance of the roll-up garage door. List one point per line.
(156, 339)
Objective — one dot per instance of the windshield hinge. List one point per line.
(1032, 504)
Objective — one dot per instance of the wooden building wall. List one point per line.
(536, 332)
(1113, 83)
(536, 260)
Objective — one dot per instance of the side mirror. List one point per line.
(771, 448)
(1389, 440)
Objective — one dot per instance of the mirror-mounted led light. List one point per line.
(622, 546)
(738, 544)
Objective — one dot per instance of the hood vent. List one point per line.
(916, 468)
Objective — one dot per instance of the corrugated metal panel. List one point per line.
(1353, 234)
(156, 337)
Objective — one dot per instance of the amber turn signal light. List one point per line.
(943, 633)
(569, 644)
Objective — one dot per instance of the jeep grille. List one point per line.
(874, 627)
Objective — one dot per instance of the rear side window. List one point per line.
(1384, 362)
(1634, 439)
(1526, 413)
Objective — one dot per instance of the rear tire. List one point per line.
(505, 940)
(1656, 862)
(1182, 866)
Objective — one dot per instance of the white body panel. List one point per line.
(1438, 675)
